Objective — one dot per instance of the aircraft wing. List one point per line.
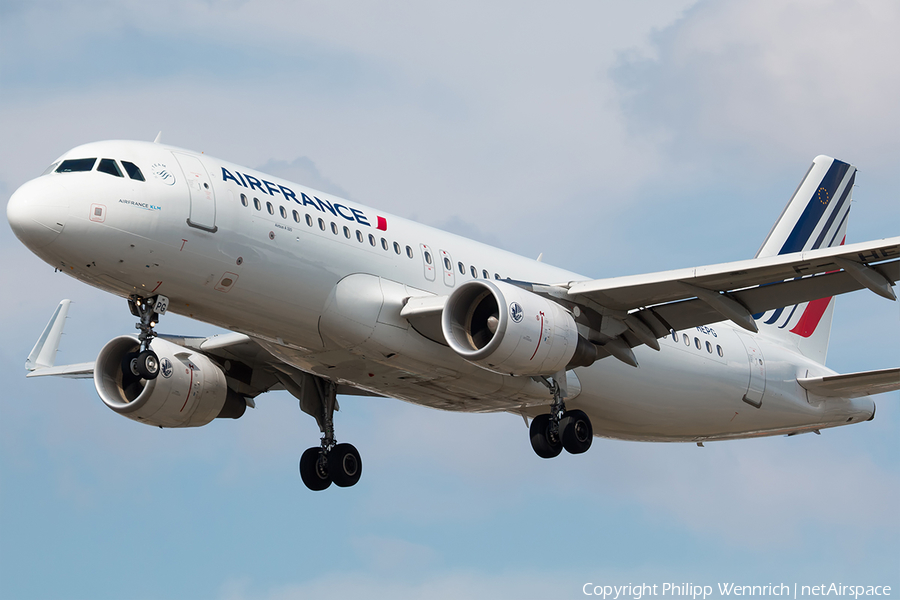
(249, 368)
(684, 298)
(77, 371)
(624, 312)
(853, 385)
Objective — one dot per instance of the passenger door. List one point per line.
(203, 199)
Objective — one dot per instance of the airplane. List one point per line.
(323, 296)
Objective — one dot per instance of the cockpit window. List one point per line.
(108, 165)
(76, 164)
(50, 169)
(133, 171)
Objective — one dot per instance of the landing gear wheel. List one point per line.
(544, 443)
(146, 365)
(576, 431)
(314, 470)
(344, 465)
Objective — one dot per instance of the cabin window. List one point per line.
(244, 200)
(396, 248)
(409, 252)
(322, 224)
(384, 243)
(462, 268)
(697, 343)
(309, 220)
(720, 351)
(134, 171)
(674, 335)
(709, 347)
(496, 276)
(270, 208)
(474, 272)
(296, 217)
(687, 340)
(485, 274)
(447, 264)
(334, 228)
(347, 233)
(76, 164)
(372, 240)
(359, 236)
(283, 212)
(428, 257)
(257, 204)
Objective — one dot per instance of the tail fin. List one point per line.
(815, 217)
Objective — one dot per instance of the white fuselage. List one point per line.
(185, 232)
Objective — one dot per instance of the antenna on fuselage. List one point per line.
(158, 138)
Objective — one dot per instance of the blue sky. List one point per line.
(615, 138)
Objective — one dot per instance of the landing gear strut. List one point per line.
(330, 462)
(148, 310)
(569, 429)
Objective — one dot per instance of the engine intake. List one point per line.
(506, 329)
(190, 390)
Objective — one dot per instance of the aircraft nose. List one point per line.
(37, 212)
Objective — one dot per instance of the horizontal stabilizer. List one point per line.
(853, 385)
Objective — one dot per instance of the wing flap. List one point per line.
(853, 385)
(685, 314)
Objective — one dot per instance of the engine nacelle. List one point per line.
(190, 390)
(506, 329)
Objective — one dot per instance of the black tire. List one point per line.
(541, 441)
(344, 465)
(146, 364)
(576, 431)
(314, 475)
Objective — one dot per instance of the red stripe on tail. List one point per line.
(814, 312)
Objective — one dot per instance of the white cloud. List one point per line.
(302, 170)
(773, 79)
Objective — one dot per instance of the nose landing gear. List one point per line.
(571, 429)
(148, 310)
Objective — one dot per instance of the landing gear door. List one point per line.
(756, 387)
(203, 199)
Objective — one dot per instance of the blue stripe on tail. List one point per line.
(816, 207)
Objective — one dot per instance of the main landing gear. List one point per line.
(569, 429)
(146, 364)
(330, 462)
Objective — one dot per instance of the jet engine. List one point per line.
(506, 329)
(190, 390)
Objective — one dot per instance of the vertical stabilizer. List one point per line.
(815, 217)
